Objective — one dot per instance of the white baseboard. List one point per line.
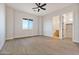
(75, 41)
(9, 38)
(21, 37)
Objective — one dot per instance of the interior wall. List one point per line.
(2, 25)
(14, 24)
(10, 22)
(18, 31)
(47, 25)
(40, 25)
(76, 24)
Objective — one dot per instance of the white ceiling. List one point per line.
(27, 7)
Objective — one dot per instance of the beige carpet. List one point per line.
(40, 45)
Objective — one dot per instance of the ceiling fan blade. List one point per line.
(43, 8)
(38, 10)
(43, 5)
(37, 4)
(35, 8)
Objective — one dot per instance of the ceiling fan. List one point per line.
(40, 6)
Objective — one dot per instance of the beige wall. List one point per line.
(40, 20)
(10, 22)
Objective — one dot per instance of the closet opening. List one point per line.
(67, 22)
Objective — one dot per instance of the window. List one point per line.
(27, 23)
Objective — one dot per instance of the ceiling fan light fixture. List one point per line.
(39, 6)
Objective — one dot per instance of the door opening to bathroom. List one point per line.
(67, 25)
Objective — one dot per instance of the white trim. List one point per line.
(9, 38)
(75, 41)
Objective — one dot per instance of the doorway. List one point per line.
(62, 26)
(56, 27)
(67, 25)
